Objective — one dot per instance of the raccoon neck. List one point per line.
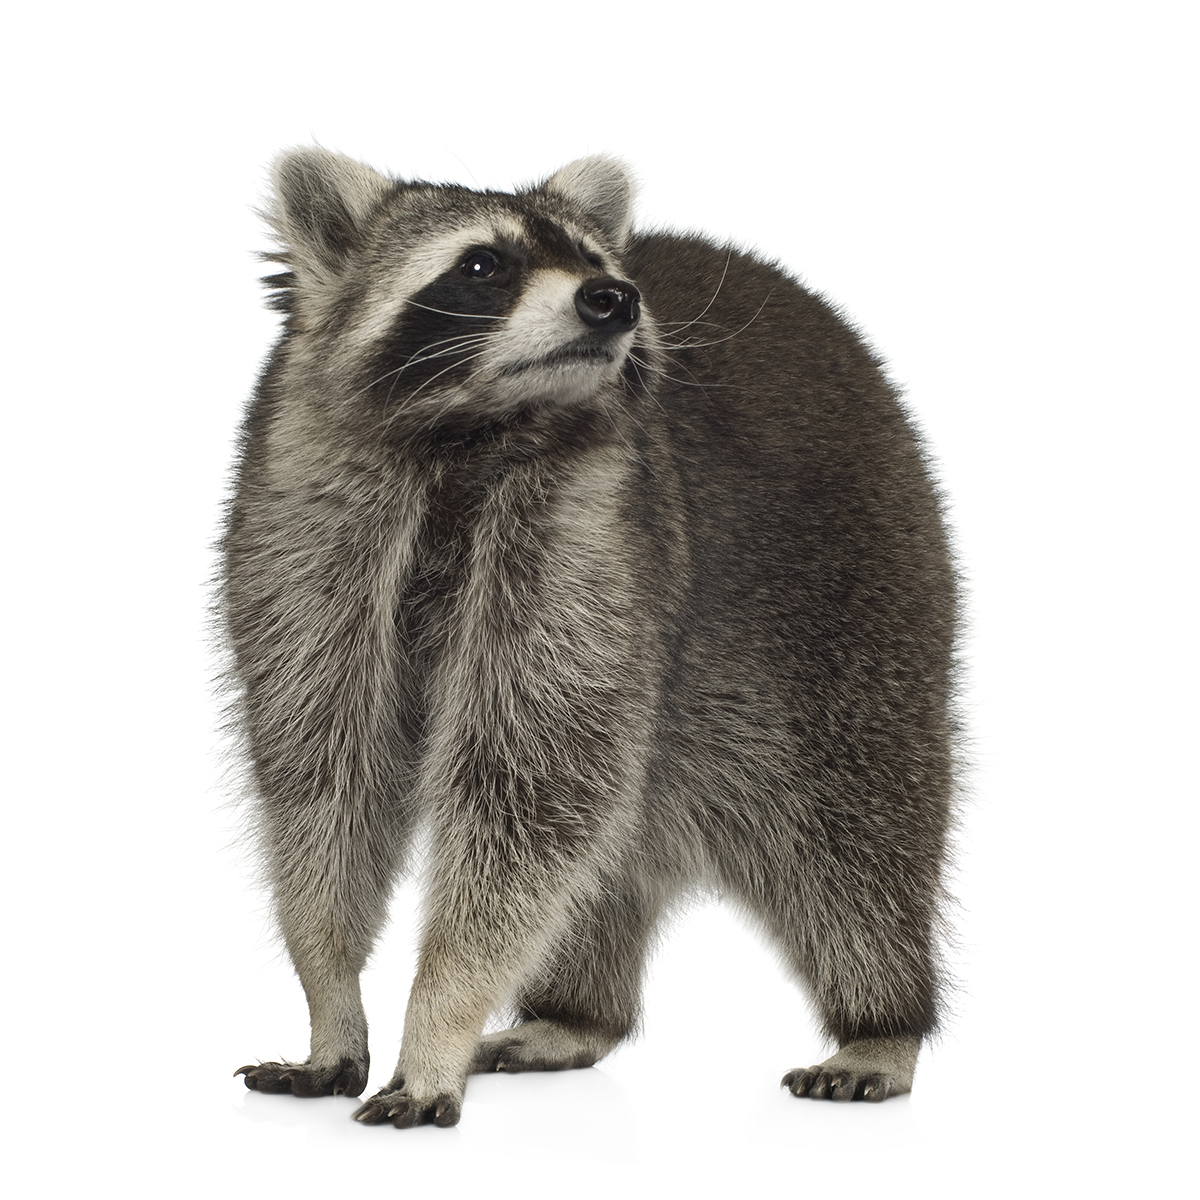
(535, 461)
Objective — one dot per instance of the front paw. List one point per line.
(403, 1110)
(864, 1069)
(817, 1083)
(346, 1078)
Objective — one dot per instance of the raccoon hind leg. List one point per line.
(874, 980)
(586, 997)
(857, 929)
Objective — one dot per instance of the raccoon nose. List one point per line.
(608, 304)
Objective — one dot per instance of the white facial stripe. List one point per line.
(421, 266)
(590, 247)
(544, 321)
(585, 240)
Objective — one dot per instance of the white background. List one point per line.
(1001, 195)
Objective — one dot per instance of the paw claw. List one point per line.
(404, 1116)
(799, 1082)
(373, 1111)
(304, 1079)
(404, 1112)
(841, 1085)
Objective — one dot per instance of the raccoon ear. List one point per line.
(603, 187)
(320, 204)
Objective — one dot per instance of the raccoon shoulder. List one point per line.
(742, 308)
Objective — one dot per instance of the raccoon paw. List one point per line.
(346, 1078)
(394, 1104)
(539, 1045)
(867, 1069)
(819, 1084)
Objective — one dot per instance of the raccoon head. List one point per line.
(434, 302)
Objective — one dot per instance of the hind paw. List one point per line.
(346, 1078)
(539, 1045)
(395, 1105)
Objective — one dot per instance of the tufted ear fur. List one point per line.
(603, 187)
(320, 204)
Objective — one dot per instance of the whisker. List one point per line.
(694, 321)
(695, 383)
(466, 342)
(643, 459)
(637, 364)
(718, 341)
(720, 284)
(465, 316)
(458, 337)
(407, 401)
(471, 343)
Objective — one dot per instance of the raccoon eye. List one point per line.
(480, 265)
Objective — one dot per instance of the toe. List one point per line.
(374, 1111)
(799, 1081)
(405, 1114)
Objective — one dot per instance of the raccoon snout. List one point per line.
(611, 305)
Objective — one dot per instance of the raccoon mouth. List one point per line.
(564, 354)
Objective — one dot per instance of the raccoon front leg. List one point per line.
(586, 997)
(310, 605)
(497, 906)
(475, 949)
(533, 762)
(332, 883)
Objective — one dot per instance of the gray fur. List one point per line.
(602, 188)
(619, 603)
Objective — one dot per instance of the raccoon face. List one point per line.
(437, 303)
(531, 314)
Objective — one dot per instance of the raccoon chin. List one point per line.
(561, 378)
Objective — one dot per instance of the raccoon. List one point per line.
(609, 562)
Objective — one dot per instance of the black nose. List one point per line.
(611, 305)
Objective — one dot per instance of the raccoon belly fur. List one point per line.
(611, 561)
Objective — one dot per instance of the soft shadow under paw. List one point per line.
(303, 1079)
